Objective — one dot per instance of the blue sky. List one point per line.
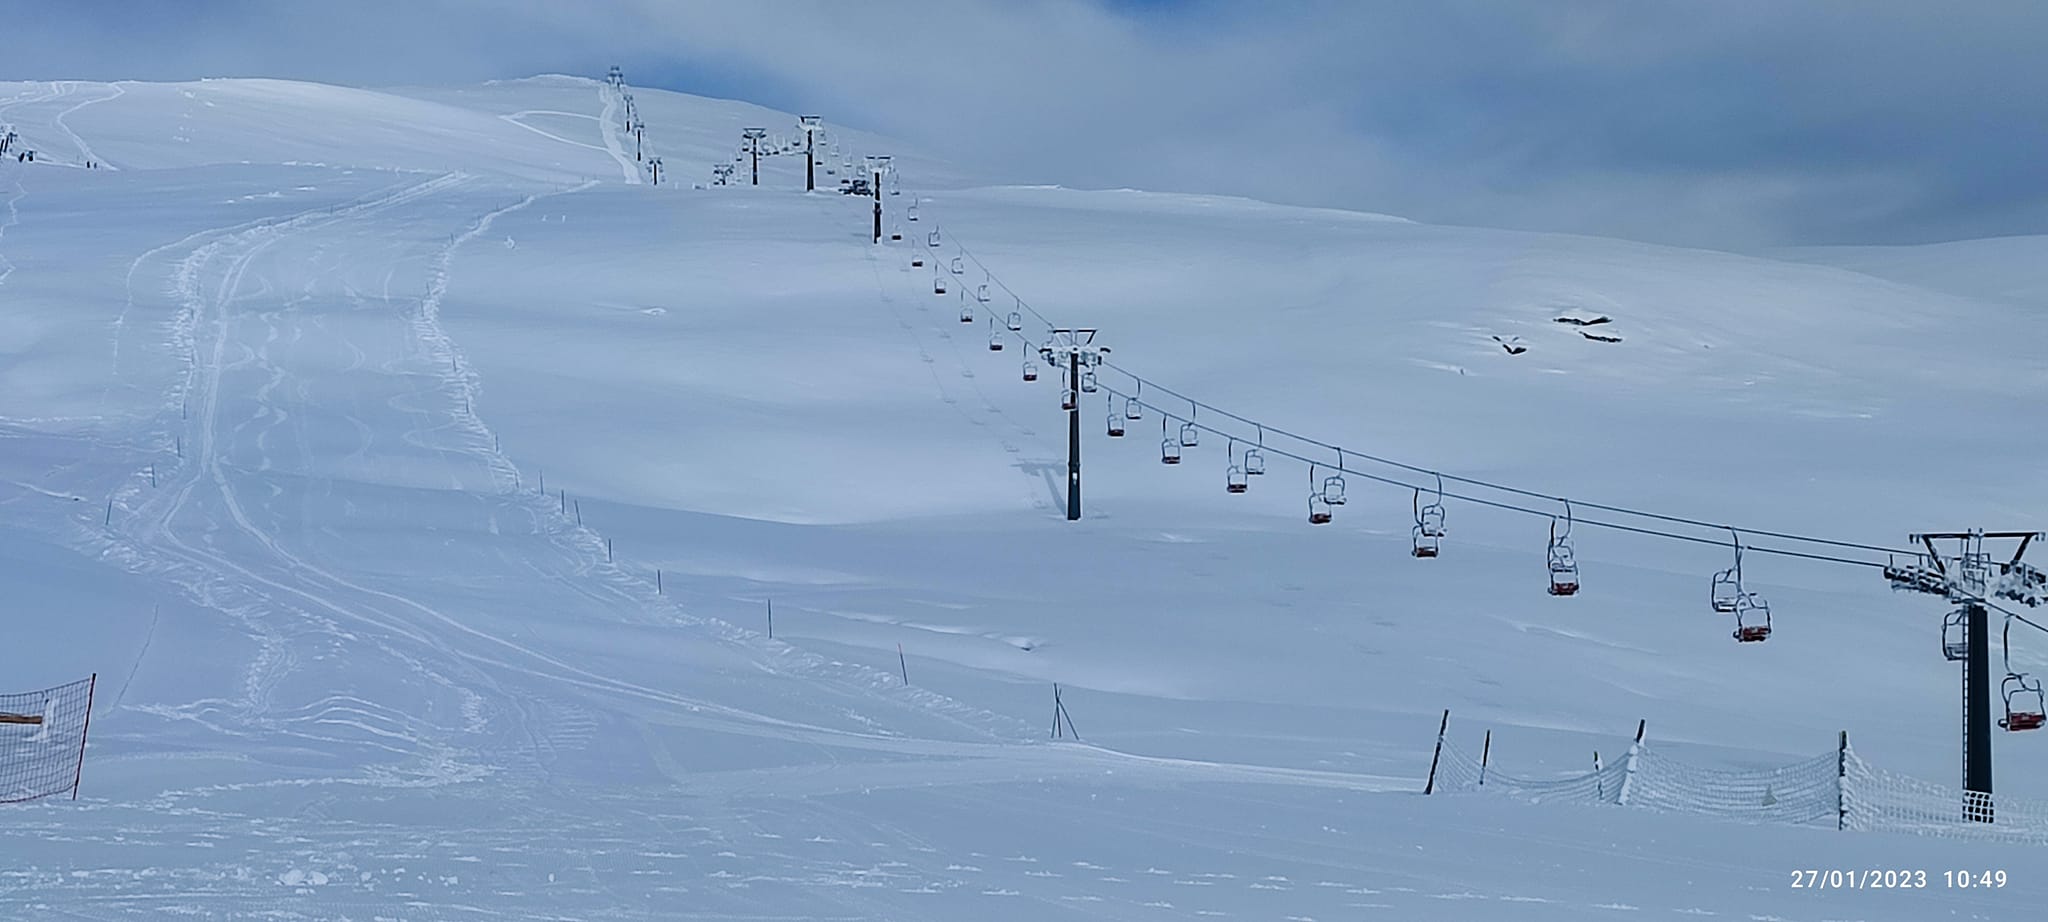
(1734, 123)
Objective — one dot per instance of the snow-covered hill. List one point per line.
(282, 381)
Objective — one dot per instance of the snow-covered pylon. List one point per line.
(42, 741)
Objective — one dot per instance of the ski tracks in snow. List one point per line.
(613, 144)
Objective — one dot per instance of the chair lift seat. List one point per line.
(1319, 518)
(1424, 550)
(1116, 428)
(2024, 720)
(1753, 633)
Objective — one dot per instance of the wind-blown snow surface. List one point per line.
(355, 665)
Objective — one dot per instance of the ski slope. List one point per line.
(281, 383)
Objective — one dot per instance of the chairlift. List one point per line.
(1045, 354)
(932, 239)
(1752, 618)
(916, 262)
(1030, 370)
(1169, 447)
(1068, 400)
(1088, 383)
(1318, 507)
(981, 294)
(2024, 708)
(1189, 435)
(966, 312)
(1430, 516)
(1726, 591)
(957, 266)
(1234, 480)
(1015, 321)
(896, 233)
(1254, 458)
(1955, 635)
(1564, 570)
(1333, 485)
(1133, 407)
(1115, 426)
(938, 284)
(995, 339)
(911, 212)
(1427, 535)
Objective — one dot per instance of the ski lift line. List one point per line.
(1511, 507)
(1620, 510)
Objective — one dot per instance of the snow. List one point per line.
(354, 664)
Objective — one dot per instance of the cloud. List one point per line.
(1737, 123)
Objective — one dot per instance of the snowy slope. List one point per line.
(355, 664)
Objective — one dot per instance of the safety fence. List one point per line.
(1837, 789)
(42, 741)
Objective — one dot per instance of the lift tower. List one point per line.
(1972, 577)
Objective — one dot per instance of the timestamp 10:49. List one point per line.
(1894, 879)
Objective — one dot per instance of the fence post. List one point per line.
(1842, 782)
(1485, 752)
(1599, 783)
(1628, 776)
(77, 776)
(1429, 787)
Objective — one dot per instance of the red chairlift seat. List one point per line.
(1116, 427)
(2024, 708)
(1030, 372)
(1753, 633)
(1169, 451)
(1234, 480)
